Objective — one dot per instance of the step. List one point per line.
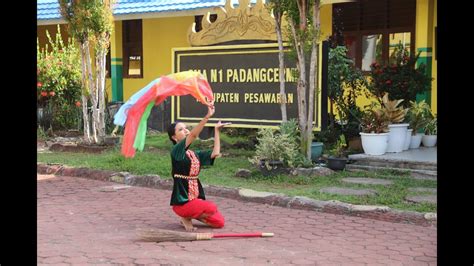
(415, 173)
(392, 163)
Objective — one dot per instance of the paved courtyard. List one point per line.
(84, 221)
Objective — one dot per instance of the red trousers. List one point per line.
(197, 207)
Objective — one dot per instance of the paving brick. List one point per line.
(78, 224)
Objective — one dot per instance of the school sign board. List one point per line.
(245, 83)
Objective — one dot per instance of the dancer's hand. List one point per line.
(210, 111)
(221, 125)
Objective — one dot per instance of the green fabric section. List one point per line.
(139, 143)
(205, 157)
(116, 59)
(117, 82)
(427, 61)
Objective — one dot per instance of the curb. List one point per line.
(381, 213)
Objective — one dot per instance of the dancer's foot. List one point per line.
(188, 225)
(202, 220)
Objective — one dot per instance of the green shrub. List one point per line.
(275, 146)
(59, 84)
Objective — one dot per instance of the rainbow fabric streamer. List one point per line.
(135, 112)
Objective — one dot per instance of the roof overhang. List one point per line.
(167, 14)
(148, 15)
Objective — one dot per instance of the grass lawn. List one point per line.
(155, 159)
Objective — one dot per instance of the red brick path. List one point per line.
(84, 221)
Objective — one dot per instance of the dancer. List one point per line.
(188, 200)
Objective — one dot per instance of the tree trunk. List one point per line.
(312, 84)
(301, 87)
(282, 66)
(313, 78)
(100, 68)
(85, 114)
(93, 95)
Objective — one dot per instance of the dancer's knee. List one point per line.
(218, 224)
(210, 209)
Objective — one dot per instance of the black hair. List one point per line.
(171, 131)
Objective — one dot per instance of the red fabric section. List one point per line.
(197, 207)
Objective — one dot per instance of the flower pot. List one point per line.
(336, 164)
(416, 140)
(316, 150)
(429, 140)
(373, 143)
(396, 137)
(406, 145)
(276, 168)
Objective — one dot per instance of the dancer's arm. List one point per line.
(217, 141)
(197, 129)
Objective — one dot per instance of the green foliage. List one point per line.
(89, 19)
(41, 134)
(419, 115)
(339, 149)
(59, 83)
(401, 79)
(275, 146)
(290, 127)
(328, 135)
(432, 127)
(345, 85)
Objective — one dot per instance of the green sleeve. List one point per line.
(179, 150)
(205, 157)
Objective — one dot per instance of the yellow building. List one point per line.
(146, 32)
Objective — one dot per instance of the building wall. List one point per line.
(160, 35)
(426, 21)
(434, 67)
(326, 21)
(424, 40)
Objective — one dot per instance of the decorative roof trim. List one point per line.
(244, 22)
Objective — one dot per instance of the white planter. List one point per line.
(396, 137)
(406, 146)
(374, 144)
(416, 141)
(429, 140)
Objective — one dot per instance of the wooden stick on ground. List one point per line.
(162, 235)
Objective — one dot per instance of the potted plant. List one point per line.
(406, 144)
(431, 131)
(275, 152)
(337, 155)
(374, 136)
(397, 130)
(419, 115)
(403, 77)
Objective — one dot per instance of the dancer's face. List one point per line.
(180, 132)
